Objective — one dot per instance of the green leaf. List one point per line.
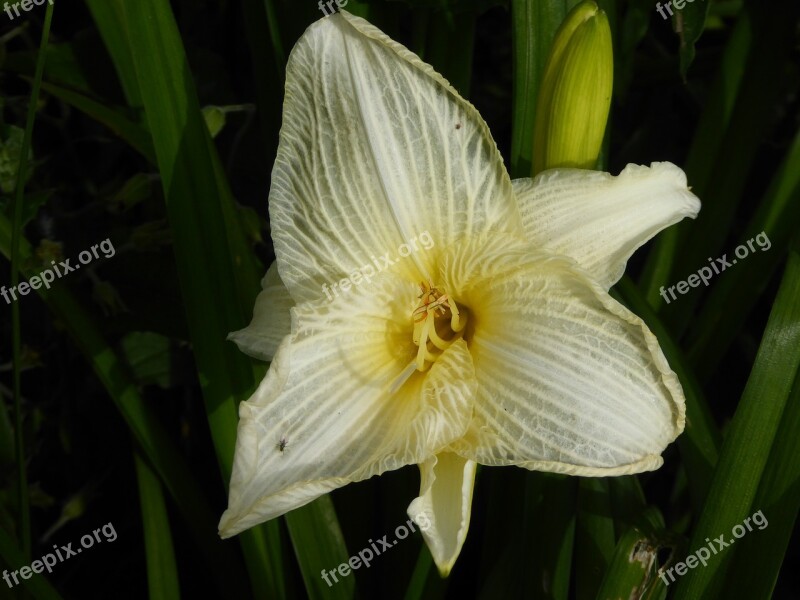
(319, 544)
(708, 138)
(110, 21)
(218, 274)
(594, 536)
(762, 551)
(10, 152)
(162, 572)
(534, 25)
(148, 356)
(63, 66)
(144, 425)
(269, 63)
(751, 435)
(14, 558)
(627, 502)
(131, 133)
(689, 23)
(509, 542)
(425, 583)
(216, 116)
(30, 205)
(15, 255)
(550, 564)
(761, 87)
(634, 569)
(778, 217)
(215, 119)
(632, 29)
(134, 191)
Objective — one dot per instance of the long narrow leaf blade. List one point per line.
(162, 572)
(749, 441)
(145, 427)
(16, 235)
(762, 551)
(319, 544)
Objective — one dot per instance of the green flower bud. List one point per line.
(575, 94)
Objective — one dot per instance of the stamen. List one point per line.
(433, 305)
(455, 319)
(423, 346)
(437, 341)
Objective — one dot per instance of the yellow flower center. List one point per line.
(438, 322)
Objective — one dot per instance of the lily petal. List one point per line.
(327, 400)
(375, 149)
(600, 220)
(444, 505)
(271, 320)
(570, 380)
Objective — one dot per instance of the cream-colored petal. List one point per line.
(376, 150)
(327, 397)
(569, 380)
(444, 505)
(271, 319)
(600, 220)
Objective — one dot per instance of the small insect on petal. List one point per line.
(282, 444)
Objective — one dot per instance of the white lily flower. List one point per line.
(513, 353)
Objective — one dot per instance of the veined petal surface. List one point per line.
(327, 400)
(376, 149)
(271, 320)
(599, 219)
(444, 506)
(569, 380)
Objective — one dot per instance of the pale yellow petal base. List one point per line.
(443, 507)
